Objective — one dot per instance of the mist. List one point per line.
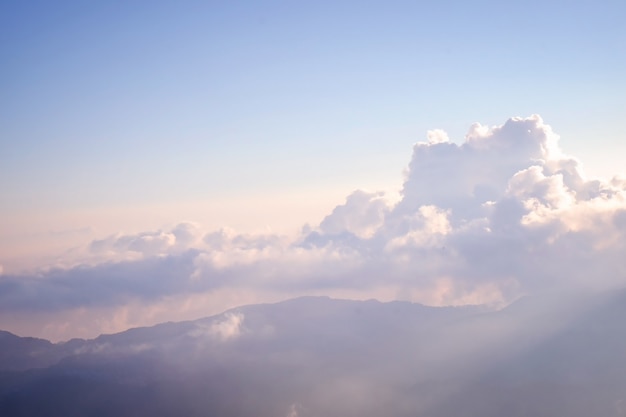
(317, 356)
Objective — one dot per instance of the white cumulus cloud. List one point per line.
(503, 213)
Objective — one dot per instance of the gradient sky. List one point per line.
(132, 116)
(150, 102)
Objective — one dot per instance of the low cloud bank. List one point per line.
(502, 214)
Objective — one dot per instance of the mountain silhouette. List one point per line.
(316, 356)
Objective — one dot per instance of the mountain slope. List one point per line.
(315, 356)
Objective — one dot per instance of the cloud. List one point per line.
(426, 228)
(149, 243)
(293, 411)
(227, 327)
(297, 410)
(504, 209)
(503, 213)
(463, 177)
(105, 284)
(361, 215)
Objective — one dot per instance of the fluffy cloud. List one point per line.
(361, 215)
(503, 213)
(149, 243)
(463, 177)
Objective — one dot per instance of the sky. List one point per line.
(164, 160)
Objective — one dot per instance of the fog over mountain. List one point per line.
(316, 356)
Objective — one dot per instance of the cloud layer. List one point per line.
(501, 214)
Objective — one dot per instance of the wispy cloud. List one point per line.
(227, 327)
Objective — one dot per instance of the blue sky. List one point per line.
(133, 116)
(114, 102)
